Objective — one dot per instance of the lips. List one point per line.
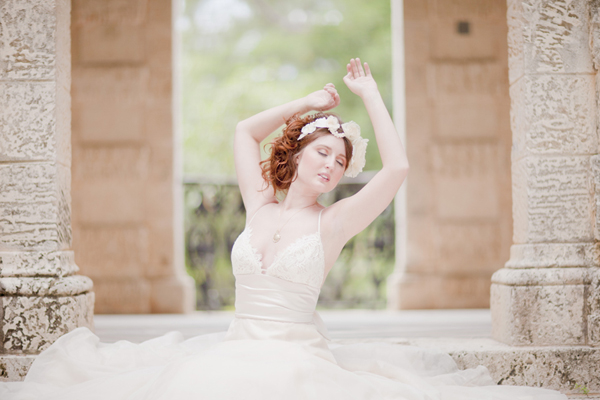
(325, 177)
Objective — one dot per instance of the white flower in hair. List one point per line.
(307, 129)
(351, 130)
(330, 123)
(357, 163)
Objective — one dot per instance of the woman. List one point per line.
(276, 346)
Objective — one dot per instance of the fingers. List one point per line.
(355, 69)
(329, 88)
(349, 69)
(361, 71)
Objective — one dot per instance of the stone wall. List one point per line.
(41, 298)
(126, 194)
(458, 143)
(548, 294)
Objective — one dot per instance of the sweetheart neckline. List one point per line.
(279, 254)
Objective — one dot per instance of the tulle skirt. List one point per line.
(291, 362)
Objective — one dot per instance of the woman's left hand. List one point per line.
(359, 80)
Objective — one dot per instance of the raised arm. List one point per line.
(250, 132)
(355, 213)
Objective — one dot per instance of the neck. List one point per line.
(296, 199)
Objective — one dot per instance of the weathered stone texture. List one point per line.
(544, 296)
(554, 255)
(27, 121)
(595, 33)
(37, 263)
(41, 286)
(31, 324)
(595, 167)
(554, 115)
(593, 310)
(27, 39)
(539, 315)
(34, 205)
(552, 199)
(14, 368)
(554, 367)
(554, 36)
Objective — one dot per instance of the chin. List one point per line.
(329, 187)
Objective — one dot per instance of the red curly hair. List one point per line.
(280, 169)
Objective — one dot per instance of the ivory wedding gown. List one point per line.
(275, 348)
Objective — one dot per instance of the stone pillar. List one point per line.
(41, 298)
(458, 143)
(127, 221)
(548, 292)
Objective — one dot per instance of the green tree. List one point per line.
(240, 57)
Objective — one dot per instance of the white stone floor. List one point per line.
(343, 325)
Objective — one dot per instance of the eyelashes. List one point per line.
(340, 163)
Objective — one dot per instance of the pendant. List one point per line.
(276, 237)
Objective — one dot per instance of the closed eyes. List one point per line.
(341, 163)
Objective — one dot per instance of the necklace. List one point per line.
(277, 235)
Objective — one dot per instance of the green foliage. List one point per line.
(582, 389)
(240, 57)
(214, 216)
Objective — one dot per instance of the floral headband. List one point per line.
(350, 130)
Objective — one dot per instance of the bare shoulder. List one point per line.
(330, 225)
(256, 206)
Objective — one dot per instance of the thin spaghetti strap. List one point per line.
(319, 223)
(256, 212)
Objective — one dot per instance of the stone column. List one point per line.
(547, 294)
(127, 218)
(41, 298)
(458, 143)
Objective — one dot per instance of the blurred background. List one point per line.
(241, 57)
(158, 86)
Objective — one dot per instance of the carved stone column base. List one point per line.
(13, 368)
(551, 306)
(35, 312)
(552, 367)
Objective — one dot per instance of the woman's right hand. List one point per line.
(358, 79)
(323, 100)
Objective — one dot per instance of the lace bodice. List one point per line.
(303, 261)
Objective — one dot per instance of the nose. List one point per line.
(330, 163)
